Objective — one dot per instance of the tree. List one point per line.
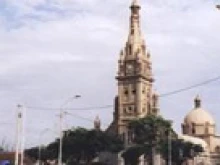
(150, 132)
(43, 155)
(132, 154)
(33, 152)
(151, 136)
(84, 145)
(81, 146)
(181, 151)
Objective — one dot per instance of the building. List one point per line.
(199, 127)
(8, 158)
(136, 98)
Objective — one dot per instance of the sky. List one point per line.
(52, 50)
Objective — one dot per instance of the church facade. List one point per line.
(136, 98)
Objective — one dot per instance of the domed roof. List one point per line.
(198, 115)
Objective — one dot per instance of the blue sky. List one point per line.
(51, 50)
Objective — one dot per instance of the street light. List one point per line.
(62, 113)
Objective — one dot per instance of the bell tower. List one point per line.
(135, 97)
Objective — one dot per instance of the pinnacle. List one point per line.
(135, 3)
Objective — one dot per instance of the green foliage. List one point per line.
(181, 150)
(80, 145)
(41, 152)
(132, 154)
(86, 144)
(151, 134)
(150, 130)
(33, 152)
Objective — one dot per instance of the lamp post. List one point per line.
(62, 113)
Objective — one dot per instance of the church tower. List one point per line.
(135, 97)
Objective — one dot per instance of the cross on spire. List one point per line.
(197, 102)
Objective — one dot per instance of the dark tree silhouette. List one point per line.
(80, 146)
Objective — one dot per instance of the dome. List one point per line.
(199, 115)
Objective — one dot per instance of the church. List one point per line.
(136, 98)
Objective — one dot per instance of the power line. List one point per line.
(190, 87)
(4, 123)
(110, 106)
(70, 109)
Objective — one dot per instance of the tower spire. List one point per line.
(135, 39)
(135, 19)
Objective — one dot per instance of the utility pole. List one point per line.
(19, 154)
(39, 155)
(18, 130)
(23, 134)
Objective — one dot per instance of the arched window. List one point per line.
(130, 49)
(126, 91)
(206, 128)
(149, 107)
(125, 110)
(193, 128)
(134, 91)
(217, 149)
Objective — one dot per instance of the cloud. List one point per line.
(51, 50)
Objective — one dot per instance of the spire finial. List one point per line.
(197, 101)
(135, 3)
(135, 19)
